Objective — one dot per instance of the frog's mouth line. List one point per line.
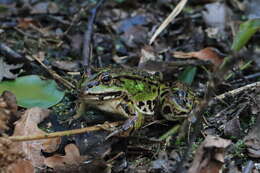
(103, 96)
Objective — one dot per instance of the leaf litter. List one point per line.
(121, 38)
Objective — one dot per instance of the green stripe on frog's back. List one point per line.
(144, 91)
(141, 89)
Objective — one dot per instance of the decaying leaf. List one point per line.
(206, 54)
(8, 109)
(209, 157)
(5, 70)
(8, 154)
(66, 65)
(26, 126)
(21, 166)
(147, 54)
(71, 159)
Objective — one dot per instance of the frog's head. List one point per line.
(110, 84)
(102, 86)
(111, 89)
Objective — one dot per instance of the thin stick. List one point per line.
(88, 37)
(168, 20)
(54, 74)
(64, 133)
(238, 90)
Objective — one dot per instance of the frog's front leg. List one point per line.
(134, 122)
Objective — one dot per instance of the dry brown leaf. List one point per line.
(26, 126)
(5, 70)
(8, 109)
(209, 157)
(206, 54)
(24, 166)
(8, 154)
(71, 158)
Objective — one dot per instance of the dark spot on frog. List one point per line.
(150, 105)
(100, 97)
(126, 98)
(167, 110)
(164, 93)
(140, 104)
(126, 108)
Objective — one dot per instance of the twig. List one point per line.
(26, 34)
(65, 133)
(88, 37)
(168, 20)
(54, 74)
(115, 157)
(237, 90)
(249, 77)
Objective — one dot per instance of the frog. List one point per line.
(132, 94)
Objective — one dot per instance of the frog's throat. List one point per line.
(103, 96)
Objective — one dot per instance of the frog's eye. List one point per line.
(105, 78)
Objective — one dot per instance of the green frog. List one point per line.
(131, 94)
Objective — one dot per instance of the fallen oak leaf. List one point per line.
(8, 154)
(5, 70)
(72, 158)
(8, 109)
(21, 166)
(27, 125)
(206, 54)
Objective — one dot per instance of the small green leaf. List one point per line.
(246, 31)
(187, 76)
(32, 91)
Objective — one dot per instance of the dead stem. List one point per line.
(88, 37)
(64, 133)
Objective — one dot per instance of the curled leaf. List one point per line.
(206, 54)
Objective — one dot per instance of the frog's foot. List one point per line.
(127, 127)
